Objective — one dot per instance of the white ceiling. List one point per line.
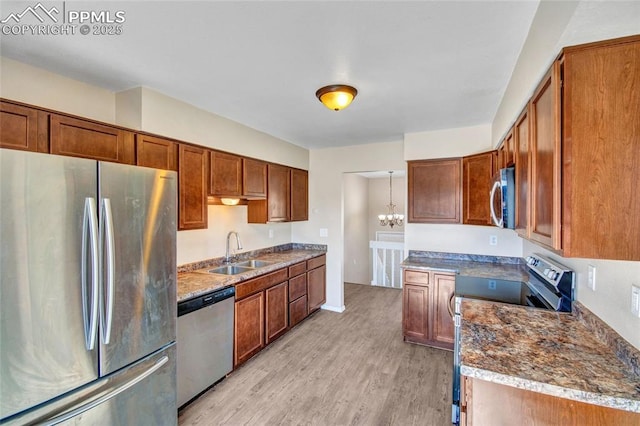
(418, 66)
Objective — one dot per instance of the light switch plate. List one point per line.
(635, 301)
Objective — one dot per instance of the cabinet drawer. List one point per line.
(297, 310)
(416, 277)
(297, 269)
(261, 283)
(316, 262)
(297, 287)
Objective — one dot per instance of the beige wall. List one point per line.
(326, 168)
(31, 85)
(145, 109)
(356, 230)
(559, 24)
(455, 238)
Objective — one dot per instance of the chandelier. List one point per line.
(391, 218)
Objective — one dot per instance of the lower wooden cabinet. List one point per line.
(427, 308)
(277, 311)
(316, 283)
(268, 306)
(249, 328)
(486, 403)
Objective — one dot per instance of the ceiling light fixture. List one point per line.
(336, 96)
(391, 218)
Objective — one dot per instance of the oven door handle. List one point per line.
(450, 304)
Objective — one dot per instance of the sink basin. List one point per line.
(229, 270)
(253, 263)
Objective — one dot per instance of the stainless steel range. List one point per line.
(549, 285)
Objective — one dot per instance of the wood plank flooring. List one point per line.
(351, 368)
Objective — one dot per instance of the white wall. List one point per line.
(555, 25)
(326, 167)
(455, 238)
(31, 85)
(356, 230)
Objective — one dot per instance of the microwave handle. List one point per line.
(496, 221)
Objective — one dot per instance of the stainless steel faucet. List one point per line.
(227, 258)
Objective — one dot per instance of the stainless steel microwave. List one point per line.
(503, 199)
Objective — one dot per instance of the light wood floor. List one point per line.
(336, 369)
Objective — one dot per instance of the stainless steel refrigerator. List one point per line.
(87, 292)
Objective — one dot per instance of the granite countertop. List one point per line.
(497, 267)
(195, 282)
(543, 351)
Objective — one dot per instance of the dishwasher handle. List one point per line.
(191, 305)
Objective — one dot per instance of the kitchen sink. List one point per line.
(230, 270)
(253, 263)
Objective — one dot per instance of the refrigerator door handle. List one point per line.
(90, 298)
(109, 395)
(107, 242)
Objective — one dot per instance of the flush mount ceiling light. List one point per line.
(336, 96)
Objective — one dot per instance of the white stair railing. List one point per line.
(386, 259)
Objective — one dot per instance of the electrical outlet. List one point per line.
(592, 278)
(492, 285)
(324, 232)
(270, 233)
(635, 301)
(493, 240)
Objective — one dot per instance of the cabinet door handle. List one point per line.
(450, 304)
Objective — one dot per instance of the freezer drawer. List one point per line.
(142, 394)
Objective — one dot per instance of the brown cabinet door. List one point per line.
(506, 152)
(299, 195)
(545, 161)
(80, 138)
(254, 178)
(297, 310)
(277, 311)
(278, 193)
(443, 315)
(434, 191)
(23, 128)
(521, 138)
(225, 175)
(297, 287)
(477, 178)
(416, 313)
(156, 152)
(316, 295)
(249, 328)
(192, 187)
(601, 151)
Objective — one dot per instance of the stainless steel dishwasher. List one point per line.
(204, 342)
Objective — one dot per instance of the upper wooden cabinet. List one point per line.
(477, 173)
(80, 138)
(193, 169)
(23, 128)
(299, 195)
(545, 155)
(434, 191)
(225, 175)
(277, 207)
(521, 139)
(601, 150)
(506, 151)
(254, 178)
(156, 152)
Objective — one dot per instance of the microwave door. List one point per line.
(495, 203)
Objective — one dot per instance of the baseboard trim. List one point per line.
(333, 308)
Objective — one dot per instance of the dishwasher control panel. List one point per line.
(200, 302)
